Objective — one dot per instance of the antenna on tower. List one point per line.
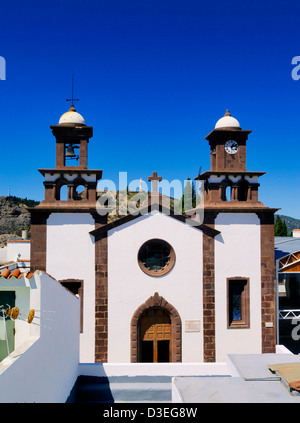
(72, 99)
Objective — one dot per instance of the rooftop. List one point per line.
(256, 378)
(285, 245)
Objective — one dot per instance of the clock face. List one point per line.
(231, 147)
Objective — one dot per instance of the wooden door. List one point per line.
(155, 336)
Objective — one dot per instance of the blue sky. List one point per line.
(153, 77)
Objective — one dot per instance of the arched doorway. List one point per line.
(155, 336)
(160, 320)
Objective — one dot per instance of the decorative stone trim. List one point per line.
(268, 292)
(209, 336)
(156, 301)
(101, 294)
(38, 240)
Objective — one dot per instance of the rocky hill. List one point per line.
(14, 216)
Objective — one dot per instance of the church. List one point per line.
(152, 286)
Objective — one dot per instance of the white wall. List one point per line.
(129, 286)
(154, 369)
(3, 253)
(47, 370)
(71, 255)
(14, 248)
(237, 253)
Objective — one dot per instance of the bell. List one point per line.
(70, 151)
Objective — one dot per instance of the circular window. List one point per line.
(156, 257)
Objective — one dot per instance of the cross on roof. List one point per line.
(72, 99)
(154, 178)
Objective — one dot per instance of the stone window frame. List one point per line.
(64, 283)
(156, 301)
(244, 322)
(161, 272)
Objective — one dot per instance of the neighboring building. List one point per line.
(152, 286)
(16, 254)
(287, 256)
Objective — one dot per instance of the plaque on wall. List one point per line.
(192, 326)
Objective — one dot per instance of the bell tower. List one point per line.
(72, 137)
(71, 134)
(70, 187)
(228, 145)
(246, 226)
(228, 182)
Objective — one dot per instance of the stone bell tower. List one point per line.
(61, 226)
(228, 181)
(246, 227)
(71, 174)
(72, 136)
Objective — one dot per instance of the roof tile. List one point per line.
(7, 274)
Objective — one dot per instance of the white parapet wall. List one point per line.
(154, 369)
(44, 366)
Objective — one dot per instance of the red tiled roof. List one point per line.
(15, 273)
(18, 240)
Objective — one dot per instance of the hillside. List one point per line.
(14, 216)
(291, 222)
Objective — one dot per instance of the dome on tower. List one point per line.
(71, 117)
(227, 121)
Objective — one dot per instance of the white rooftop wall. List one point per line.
(44, 368)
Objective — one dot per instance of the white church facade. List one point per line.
(153, 287)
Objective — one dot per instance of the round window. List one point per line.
(156, 257)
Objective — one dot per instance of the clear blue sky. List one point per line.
(153, 77)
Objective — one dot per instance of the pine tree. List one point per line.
(284, 229)
(188, 199)
(280, 228)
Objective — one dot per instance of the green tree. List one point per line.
(188, 199)
(280, 228)
(284, 229)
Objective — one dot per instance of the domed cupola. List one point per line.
(72, 118)
(227, 121)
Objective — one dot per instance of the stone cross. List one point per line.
(154, 178)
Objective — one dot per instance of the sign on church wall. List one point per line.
(192, 326)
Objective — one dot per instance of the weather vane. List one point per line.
(72, 99)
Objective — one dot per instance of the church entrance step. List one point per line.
(93, 389)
